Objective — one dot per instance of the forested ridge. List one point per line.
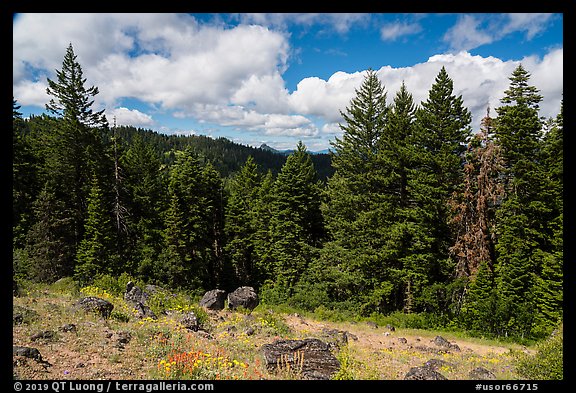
(413, 212)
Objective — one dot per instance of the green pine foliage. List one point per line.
(296, 221)
(356, 207)
(95, 255)
(25, 177)
(50, 254)
(409, 214)
(193, 225)
(144, 182)
(241, 222)
(527, 218)
(443, 131)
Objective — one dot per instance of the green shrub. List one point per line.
(273, 324)
(547, 363)
(66, 285)
(327, 314)
(309, 296)
(273, 294)
(162, 301)
(346, 361)
(116, 286)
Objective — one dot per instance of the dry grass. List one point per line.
(228, 348)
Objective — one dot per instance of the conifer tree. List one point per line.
(296, 222)
(186, 228)
(474, 207)
(479, 311)
(521, 232)
(25, 188)
(50, 254)
(145, 186)
(263, 242)
(74, 144)
(94, 253)
(71, 99)
(193, 257)
(218, 270)
(401, 254)
(361, 196)
(241, 222)
(548, 286)
(354, 187)
(443, 125)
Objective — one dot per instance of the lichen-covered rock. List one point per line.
(214, 299)
(445, 344)
(424, 373)
(137, 298)
(311, 358)
(95, 304)
(481, 373)
(245, 297)
(189, 321)
(48, 335)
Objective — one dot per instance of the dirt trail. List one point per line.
(375, 337)
(375, 352)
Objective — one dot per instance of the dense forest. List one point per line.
(413, 212)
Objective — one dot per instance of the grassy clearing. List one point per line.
(227, 346)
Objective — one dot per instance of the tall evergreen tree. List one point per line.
(50, 254)
(241, 222)
(357, 210)
(71, 99)
(523, 233)
(25, 178)
(75, 148)
(442, 134)
(218, 269)
(194, 225)
(263, 241)
(549, 284)
(297, 225)
(402, 254)
(145, 186)
(94, 253)
(355, 158)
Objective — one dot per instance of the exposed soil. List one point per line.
(112, 349)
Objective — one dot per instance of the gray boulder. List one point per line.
(48, 335)
(134, 294)
(311, 358)
(214, 299)
(424, 373)
(481, 373)
(189, 321)
(337, 338)
(137, 298)
(445, 344)
(30, 353)
(245, 297)
(95, 304)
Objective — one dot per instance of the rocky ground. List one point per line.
(54, 338)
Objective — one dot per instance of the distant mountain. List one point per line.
(227, 156)
(271, 149)
(290, 151)
(325, 151)
(268, 148)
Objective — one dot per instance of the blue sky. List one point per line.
(279, 78)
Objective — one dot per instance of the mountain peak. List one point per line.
(266, 147)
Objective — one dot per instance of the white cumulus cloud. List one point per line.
(129, 117)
